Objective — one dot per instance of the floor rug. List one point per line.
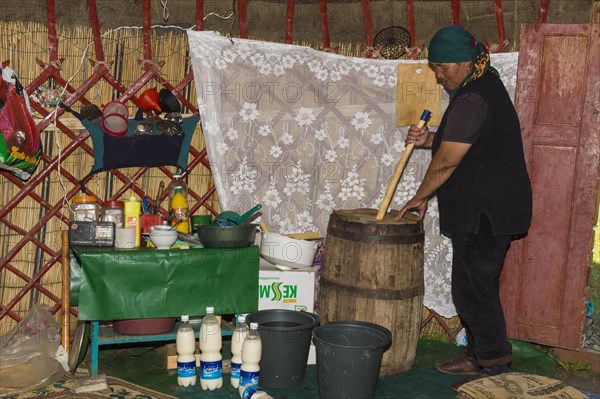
(117, 388)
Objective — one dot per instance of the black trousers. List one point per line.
(476, 264)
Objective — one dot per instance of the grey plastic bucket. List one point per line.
(285, 336)
(349, 357)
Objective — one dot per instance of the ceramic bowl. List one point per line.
(163, 240)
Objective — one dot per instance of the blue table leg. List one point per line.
(95, 340)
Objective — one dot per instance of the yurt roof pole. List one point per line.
(289, 21)
(543, 14)
(500, 26)
(53, 43)
(147, 20)
(366, 7)
(243, 19)
(455, 12)
(93, 16)
(325, 25)
(410, 17)
(199, 15)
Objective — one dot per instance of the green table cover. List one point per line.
(113, 284)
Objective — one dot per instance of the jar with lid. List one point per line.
(85, 208)
(112, 211)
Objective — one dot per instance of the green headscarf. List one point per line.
(454, 44)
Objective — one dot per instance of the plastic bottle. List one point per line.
(211, 363)
(179, 204)
(251, 353)
(186, 360)
(237, 340)
(250, 391)
(133, 211)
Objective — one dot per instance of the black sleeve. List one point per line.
(468, 113)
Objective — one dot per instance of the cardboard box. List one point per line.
(287, 289)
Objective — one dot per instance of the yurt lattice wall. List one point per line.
(82, 66)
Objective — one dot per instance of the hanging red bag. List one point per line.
(20, 146)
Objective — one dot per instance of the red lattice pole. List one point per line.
(243, 19)
(455, 12)
(543, 13)
(324, 25)
(289, 21)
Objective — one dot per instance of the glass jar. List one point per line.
(112, 211)
(85, 208)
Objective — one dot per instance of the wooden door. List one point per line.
(546, 274)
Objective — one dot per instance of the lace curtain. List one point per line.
(304, 132)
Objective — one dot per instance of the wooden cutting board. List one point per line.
(417, 90)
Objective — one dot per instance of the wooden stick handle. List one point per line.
(66, 291)
(399, 169)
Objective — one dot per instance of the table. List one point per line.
(114, 284)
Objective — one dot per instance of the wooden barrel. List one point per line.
(373, 271)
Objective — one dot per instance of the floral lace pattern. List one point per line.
(304, 132)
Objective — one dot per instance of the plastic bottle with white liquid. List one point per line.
(237, 340)
(211, 363)
(250, 391)
(186, 360)
(251, 353)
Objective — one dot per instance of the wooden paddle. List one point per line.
(399, 169)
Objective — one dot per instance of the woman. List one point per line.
(484, 194)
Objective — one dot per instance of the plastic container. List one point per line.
(132, 213)
(286, 336)
(211, 361)
(349, 358)
(85, 208)
(112, 211)
(186, 359)
(179, 208)
(237, 340)
(251, 354)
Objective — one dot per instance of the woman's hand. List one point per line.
(420, 204)
(417, 136)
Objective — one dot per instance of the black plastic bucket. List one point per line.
(285, 336)
(349, 357)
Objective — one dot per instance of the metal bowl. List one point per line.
(226, 236)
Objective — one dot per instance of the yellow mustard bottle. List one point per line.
(133, 211)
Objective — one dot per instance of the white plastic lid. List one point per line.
(185, 318)
(242, 318)
(254, 326)
(210, 309)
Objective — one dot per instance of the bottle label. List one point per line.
(186, 369)
(131, 222)
(211, 370)
(249, 377)
(235, 370)
(249, 391)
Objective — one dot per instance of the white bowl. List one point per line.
(285, 251)
(163, 240)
